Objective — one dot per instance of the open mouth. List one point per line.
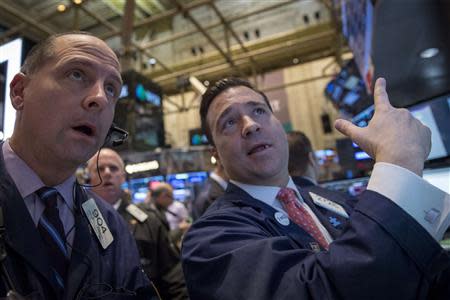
(258, 148)
(85, 129)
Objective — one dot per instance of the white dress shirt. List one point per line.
(222, 182)
(427, 204)
(268, 194)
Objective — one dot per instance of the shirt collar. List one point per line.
(267, 194)
(117, 204)
(222, 182)
(27, 181)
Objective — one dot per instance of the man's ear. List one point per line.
(215, 154)
(17, 88)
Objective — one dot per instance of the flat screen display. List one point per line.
(435, 114)
(440, 178)
(186, 185)
(347, 91)
(139, 187)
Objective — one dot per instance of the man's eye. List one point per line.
(229, 123)
(76, 75)
(111, 90)
(260, 111)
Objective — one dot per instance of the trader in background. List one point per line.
(214, 187)
(161, 198)
(60, 241)
(302, 166)
(159, 257)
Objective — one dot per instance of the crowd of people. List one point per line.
(263, 228)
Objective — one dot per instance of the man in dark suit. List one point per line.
(159, 256)
(302, 166)
(214, 188)
(266, 238)
(60, 242)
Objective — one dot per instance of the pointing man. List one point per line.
(268, 239)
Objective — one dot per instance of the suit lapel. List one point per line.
(323, 218)
(297, 234)
(21, 232)
(81, 258)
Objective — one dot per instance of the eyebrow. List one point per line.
(228, 110)
(89, 64)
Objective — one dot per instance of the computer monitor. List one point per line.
(347, 90)
(435, 114)
(440, 178)
(139, 187)
(325, 155)
(185, 185)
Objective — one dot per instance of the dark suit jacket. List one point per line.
(302, 181)
(91, 268)
(159, 256)
(238, 250)
(210, 192)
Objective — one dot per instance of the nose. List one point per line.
(96, 98)
(249, 126)
(107, 171)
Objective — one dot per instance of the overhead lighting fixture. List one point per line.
(61, 7)
(429, 53)
(152, 61)
(295, 61)
(77, 2)
(142, 167)
(197, 85)
(213, 160)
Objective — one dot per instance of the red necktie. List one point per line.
(300, 215)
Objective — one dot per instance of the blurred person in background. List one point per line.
(214, 188)
(176, 213)
(303, 166)
(161, 198)
(159, 257)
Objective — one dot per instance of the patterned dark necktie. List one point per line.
(300, 215)
(52, 232)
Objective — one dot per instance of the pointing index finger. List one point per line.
(381, 98)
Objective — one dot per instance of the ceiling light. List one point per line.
(295, 61)
(213, 160)
(61, 7)
(429, 53)
(152, 61)
(78, 2)
(142, 167)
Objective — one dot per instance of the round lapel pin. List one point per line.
(282, 218)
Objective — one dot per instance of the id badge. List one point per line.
(98, 223)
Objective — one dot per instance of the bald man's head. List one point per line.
(112, 172)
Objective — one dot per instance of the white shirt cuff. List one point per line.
(427, 204)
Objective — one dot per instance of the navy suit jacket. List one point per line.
(91, 268)
(302, 181)
(238, 250)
